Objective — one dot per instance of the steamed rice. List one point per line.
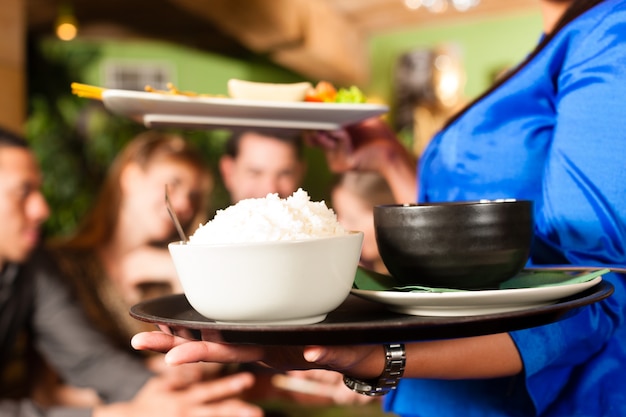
(270, 219)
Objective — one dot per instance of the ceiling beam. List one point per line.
(260, 25)
(332, 50)
(306, 36)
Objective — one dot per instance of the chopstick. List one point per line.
(87, 91)
(94, 92)
(567, 267)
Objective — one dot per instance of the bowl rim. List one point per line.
(465, 203)
(351, 234)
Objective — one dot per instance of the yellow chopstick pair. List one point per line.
(87, 91)
(94, 92)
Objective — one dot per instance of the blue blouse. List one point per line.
(554, 133)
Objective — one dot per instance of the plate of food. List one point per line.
(246, 107)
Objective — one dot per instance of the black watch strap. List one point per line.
(395, 361)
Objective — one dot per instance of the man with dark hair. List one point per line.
(37, 310)
(257, 163)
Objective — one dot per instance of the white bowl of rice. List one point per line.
(269, 261)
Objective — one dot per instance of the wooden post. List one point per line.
(13, 65)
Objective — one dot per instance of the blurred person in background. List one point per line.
(354, 197)
(38, 313)
(118, 255)
(551, 131)
(257, 163)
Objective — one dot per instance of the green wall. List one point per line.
(485, 45)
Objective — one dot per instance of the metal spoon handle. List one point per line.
(174, 217)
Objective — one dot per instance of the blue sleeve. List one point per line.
(580, 218)
(565, 360)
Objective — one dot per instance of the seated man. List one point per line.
(256, 164)
(35, 307)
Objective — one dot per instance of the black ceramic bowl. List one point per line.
(465, 245)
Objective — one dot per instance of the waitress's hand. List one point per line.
(362, 361)
(365, 146)
(370, 145)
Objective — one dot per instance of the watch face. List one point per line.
(395, 360)
(365, 387)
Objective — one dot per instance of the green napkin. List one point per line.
(374, 281)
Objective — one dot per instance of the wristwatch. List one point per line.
(395, 360)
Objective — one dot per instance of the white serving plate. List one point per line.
(472, 303)
(159, 110)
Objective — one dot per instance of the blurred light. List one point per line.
(463, 5)
(66, 26)
(443, 62)
(413, 4)
(448, 79)
(437, 6)
(448, 88)
(440, 6)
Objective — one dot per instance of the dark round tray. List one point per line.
(358, 321)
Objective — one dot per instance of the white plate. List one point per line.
(154, 110)
(472, 303)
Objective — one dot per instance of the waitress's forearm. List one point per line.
(489, 356)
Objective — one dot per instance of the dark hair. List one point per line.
(577, 8)
(233, 142)
(11, 139)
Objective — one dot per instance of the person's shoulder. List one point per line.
(40, 259)
(598, 32)
(602, 17)
(40, 271)
(71, 260)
